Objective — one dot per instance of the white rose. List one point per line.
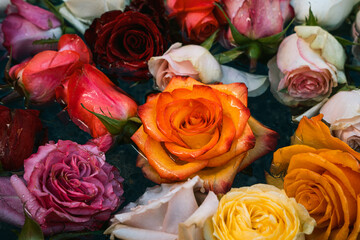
(330, 13)
(81, 13)
(342, 112)
(189, 61)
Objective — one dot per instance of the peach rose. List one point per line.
(196, 129)
(323, 175)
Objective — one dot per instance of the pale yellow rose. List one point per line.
(259, 212)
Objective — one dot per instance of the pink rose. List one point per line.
(342, 112)
(26, 23)
(69, 187)
(257, 18)
(309, 63)
(39, 76)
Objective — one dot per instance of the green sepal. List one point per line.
(277, 37)
(45, 41)
(348, 88)
(31, 229)
(311, 20)
(228, 56)
(352, 67)
(115, 126)
(238, 37)
(344, 42)
(209, 42)
(56, 12)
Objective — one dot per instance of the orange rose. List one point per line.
(196, 129)
(323, 174)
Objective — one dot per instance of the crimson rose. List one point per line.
(124, 42)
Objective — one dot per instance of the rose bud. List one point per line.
(342, 113)
(258, 18)
(309, 63)
(122, 43)
(199, 18)
(89, 87)
(69, 187)
(39, 76)
(329, 14)
(189, 61)
(80, 13)
(26, 23)
(18, 135)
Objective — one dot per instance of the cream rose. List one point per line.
(329, 13)
(309, 63)
(342, 112)
(260, 212)
(189, 61)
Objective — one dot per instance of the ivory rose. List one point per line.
(322, 174)
(342, 112)
(69, 187)
(166, 212)
(189, 61)
(309, 63)
(259, 212)
(330, 14)
(196, 129)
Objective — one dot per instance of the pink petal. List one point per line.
(38, 16)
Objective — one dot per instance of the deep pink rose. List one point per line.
(26, 23)
(69, 187)
(257, 18)
(39, 76)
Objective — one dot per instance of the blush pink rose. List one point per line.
(309, 63)
(69, 187)
(257, 18)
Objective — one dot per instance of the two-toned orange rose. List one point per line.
(195, 129)
(323, 174)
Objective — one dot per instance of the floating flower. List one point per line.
(196, 129)
(188, 61)
(308, 65)
(26, 23)
(322, 174)
(259, 212)
(69, 187)
(170, 211)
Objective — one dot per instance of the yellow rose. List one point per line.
(260, 212)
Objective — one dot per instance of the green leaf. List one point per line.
(345, 42)
(238, 37)
(31, 229)
(209, 42)
(63, 236)
(311, 20)
(114, 126)
(348, 88)
(275, 38)
(228, 56)
(56, 12)
(45, 41)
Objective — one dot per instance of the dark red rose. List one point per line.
(124, 42)
(18, 130)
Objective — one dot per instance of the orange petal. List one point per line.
(238, 90)
(139, 138)
(149, 172)
(266, 141)
(314, 133)
(166, 167)
(356, 226)
(220, 179)
(239, 146)
(190, 155)
(225, 141)
(181, 82)
(147, 114)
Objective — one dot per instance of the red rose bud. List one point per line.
(18, 131)
(91, 88)
(39, 76)
(123, 43)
